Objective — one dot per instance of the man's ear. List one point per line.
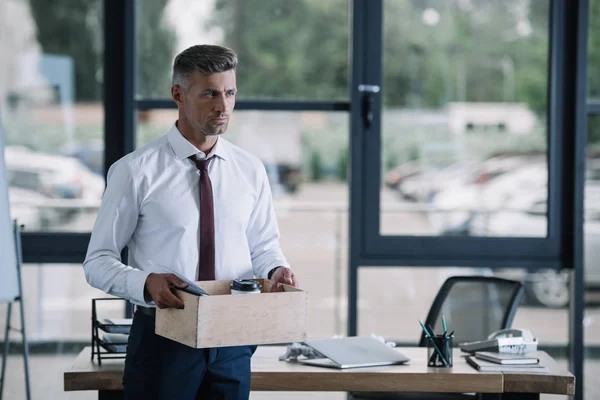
(177, 94)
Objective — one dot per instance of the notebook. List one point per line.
(507, 359)
(487, 366)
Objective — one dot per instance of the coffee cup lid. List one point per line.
(245, 285)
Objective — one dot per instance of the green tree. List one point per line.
(298, 48)
(316, 166)
(74, 28)
(342, 167)
(593, 134)
(466, 55)
(64, 27)
(287, 48)
(476, 51)
(155, 47)
(594, 70)
(594, 50)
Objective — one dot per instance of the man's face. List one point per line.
(208, 101)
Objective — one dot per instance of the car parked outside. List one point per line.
(515, 205)
(54, 176)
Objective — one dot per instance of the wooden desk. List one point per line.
(270, 374)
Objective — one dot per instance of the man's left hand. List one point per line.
(283, 275)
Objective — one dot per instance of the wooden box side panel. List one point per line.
(179, 325)
(267, 283)
(215, 288)
(238, 320)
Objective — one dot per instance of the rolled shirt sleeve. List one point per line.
(263, 232)
(114, 226)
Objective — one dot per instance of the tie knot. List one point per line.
(202, 165)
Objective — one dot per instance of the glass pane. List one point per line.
(592, 205)
(58, 304)
(305, 154)
(52, 113)
(464, 137)
(292, 50)
(591, 231)
(594, 50)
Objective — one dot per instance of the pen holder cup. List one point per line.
(439, 351)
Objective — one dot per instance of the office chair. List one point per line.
(490, 304)
(474, 307)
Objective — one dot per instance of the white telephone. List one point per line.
(513, 341)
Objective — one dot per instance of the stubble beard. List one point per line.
(210, 130)
(215, 130)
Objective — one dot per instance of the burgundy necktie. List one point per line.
(206, 271)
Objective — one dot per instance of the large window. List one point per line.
(52, 114)
(58, 303)
(464, 136)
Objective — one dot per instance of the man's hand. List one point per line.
(283, 275)
(158, 286)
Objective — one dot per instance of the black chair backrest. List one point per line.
(474, 307)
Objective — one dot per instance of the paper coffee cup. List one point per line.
(245, 286)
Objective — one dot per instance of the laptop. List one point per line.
(353, 352)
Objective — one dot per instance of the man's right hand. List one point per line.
(158, 287)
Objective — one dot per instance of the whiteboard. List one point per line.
(9, 289)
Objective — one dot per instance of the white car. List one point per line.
(421, 187)
(57, 177)
(454, 209)
(429, 183)
(52, 175)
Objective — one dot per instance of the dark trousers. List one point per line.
(159, 368)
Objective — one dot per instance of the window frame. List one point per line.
(376, 249)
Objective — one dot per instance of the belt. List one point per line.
(149, 311)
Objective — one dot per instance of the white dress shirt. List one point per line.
(151, 205)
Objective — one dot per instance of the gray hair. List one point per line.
(205, 58)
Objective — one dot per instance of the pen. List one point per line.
(433, 343)
(444, 324)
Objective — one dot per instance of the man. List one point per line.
(191, 203)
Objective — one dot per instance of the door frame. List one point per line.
(567, 136)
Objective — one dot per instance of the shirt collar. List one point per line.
(184, 149)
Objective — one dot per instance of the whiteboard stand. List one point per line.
(19, 298)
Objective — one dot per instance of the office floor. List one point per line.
(46, 376)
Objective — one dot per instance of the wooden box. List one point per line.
(223, 319)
